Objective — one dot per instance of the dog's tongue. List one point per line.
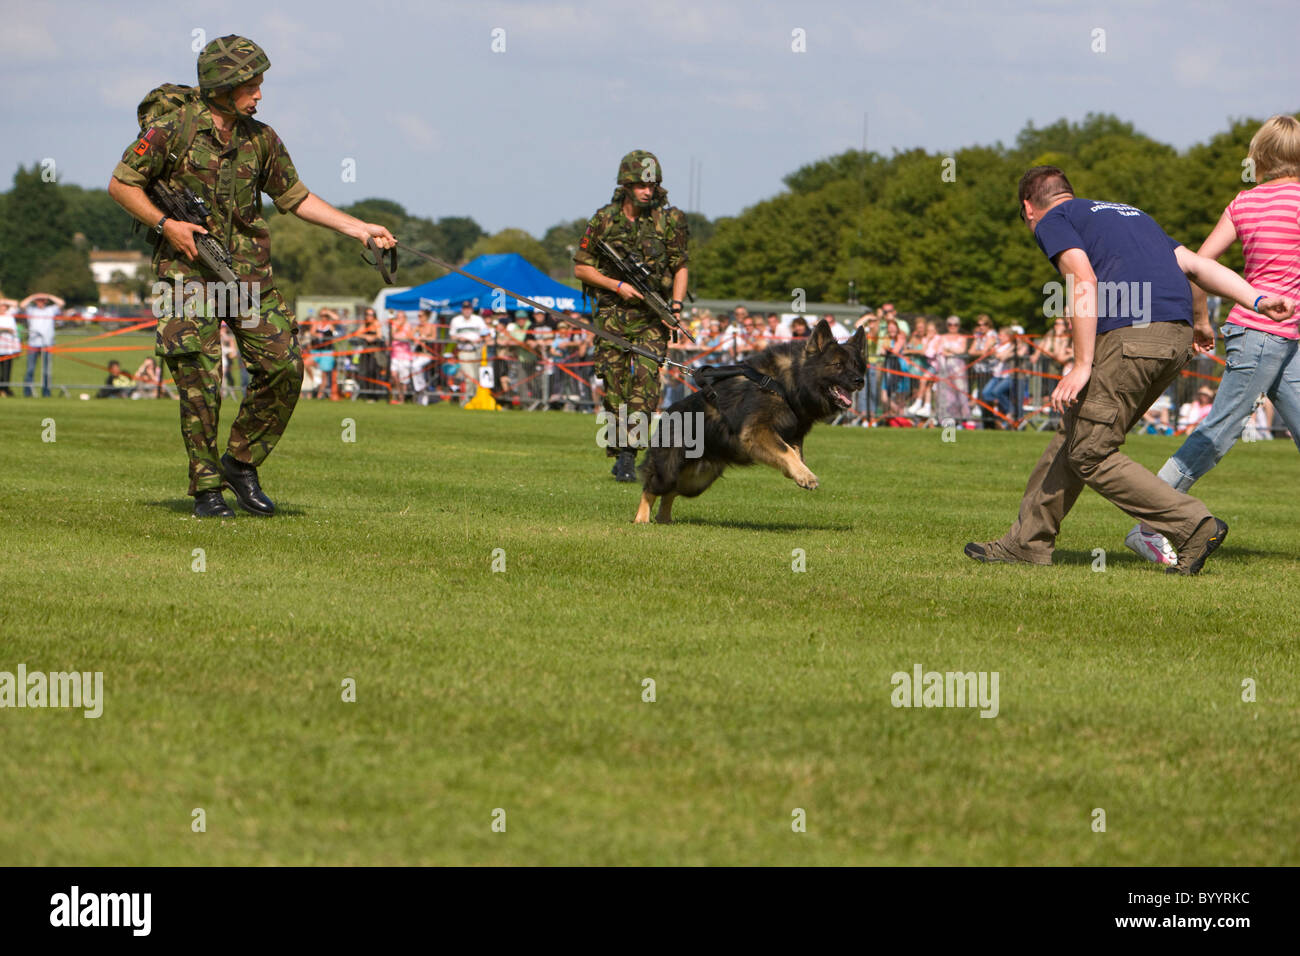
(839, 395)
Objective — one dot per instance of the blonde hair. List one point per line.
(1275, 148)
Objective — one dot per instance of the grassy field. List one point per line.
(522, 689)
(79, 370)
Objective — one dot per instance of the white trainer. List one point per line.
(1152, 546)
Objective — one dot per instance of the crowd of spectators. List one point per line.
(923, 371)
(533, 361)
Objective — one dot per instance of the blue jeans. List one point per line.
(867, 401)
(999, 391)
(32, 355)
(1257, 362)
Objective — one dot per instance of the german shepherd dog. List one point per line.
(747, 425)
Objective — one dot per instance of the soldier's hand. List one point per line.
(628, 293)
(383, 238)
(181, 236)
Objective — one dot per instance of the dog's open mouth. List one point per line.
(840, 397)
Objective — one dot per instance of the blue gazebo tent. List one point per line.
(511, 270)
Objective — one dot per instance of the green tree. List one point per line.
(1070, 138)
(383, 211)
(513, 240)
(1205, 180)
(460, 233)
(67, 274)
(307, 259)
(939, 233)
(560, 243)
(35, 228)
(701, 227)
(105, 224)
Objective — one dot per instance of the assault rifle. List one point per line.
(632, 270)
(184, 206)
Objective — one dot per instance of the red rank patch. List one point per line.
(142, 146)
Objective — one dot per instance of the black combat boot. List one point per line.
(625, 465)
(210, 504)
(242, 480)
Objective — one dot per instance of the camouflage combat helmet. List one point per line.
(639, 166)
(228, 62)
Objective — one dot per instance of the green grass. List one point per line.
(522, 690)
(80, 370)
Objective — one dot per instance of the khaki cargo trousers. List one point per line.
(1131, 368)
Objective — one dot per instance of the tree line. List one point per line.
(931, 232)
(940, 233)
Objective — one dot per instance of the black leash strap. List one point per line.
(557, 316)
(388, 270)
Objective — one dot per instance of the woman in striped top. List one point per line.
(1262, 355)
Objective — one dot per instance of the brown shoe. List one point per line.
(1205, 540)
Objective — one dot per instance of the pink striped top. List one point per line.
(1267, 219)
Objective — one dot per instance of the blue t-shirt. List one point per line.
(1138, 278)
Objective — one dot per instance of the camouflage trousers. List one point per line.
(630, 379)
(191, 347)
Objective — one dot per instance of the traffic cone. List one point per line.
(483, 399)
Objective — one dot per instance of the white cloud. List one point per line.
(418, 132)
(1198, 67)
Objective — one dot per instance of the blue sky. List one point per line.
(433, 118)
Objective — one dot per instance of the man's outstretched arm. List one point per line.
(1219, 279)
(315, 210)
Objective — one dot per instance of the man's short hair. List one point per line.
(1275, 148)
(1041, 183)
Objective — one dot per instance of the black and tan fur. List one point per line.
(747, 425)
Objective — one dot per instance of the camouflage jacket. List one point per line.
(659, 236)
(230, 177)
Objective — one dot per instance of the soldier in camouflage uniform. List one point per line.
(230, 159)
(638, 219)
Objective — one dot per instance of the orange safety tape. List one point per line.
(130, 328)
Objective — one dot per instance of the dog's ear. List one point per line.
(820, 338)
(859, 342)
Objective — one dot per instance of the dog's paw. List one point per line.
(806, 480)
